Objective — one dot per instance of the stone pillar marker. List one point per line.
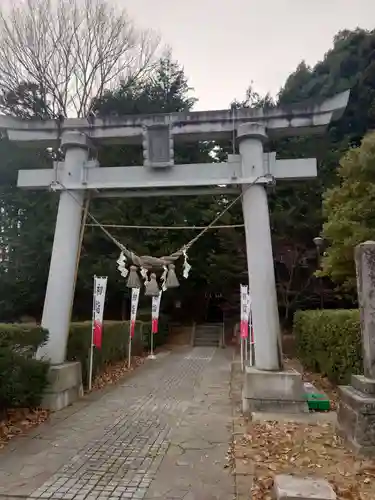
(365, 265)
(356, 413)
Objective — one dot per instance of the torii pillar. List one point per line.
(266, 387)
(61, 278)
(65, 379)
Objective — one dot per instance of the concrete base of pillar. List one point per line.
(356, 414)
(281, 392)
(65, 386)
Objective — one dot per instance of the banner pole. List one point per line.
(91, 352)
(91, 365)
(251, 346)
(130, 349)
(151, 356)
(242, 354)
(252, 341)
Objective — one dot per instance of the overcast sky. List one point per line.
(225, 44)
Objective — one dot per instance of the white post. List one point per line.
(151, 356)
(265, 314)
(60, 285)
(91, 361)
(91, 352)
(130, 350)
(242, 355)
(252, 340)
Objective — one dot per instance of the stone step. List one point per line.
(207, 335)
(200, 342)
(207, 332)
(204, 342)
(210, 325)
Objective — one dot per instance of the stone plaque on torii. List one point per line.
(248, 171)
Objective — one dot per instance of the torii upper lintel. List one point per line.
(187, 126)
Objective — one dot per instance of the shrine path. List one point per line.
(162, 433)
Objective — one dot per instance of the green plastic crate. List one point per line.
(316, 401)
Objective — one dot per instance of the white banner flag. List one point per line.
(245, 306)
(249, 303)
(133, 312)
(100, 288)
(155, 312)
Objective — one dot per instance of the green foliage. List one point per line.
(254, 100)
(296, 208)
(26, 221)
(22, 378)
(165, 91)
(26, 101)
(22, 336)
(348, 65)
(329, 342)
(349, 208)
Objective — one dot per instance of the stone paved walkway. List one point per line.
(162, 434)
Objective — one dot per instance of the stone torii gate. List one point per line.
(250, 171)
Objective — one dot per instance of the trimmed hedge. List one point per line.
(23, 379)
(24, 337)
(329, 342)
(114, 344)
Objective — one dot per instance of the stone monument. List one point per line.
(356, 413)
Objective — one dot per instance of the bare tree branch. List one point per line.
(72, 50)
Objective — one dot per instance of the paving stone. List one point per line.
(243, 467)
(288, 487)
(120, 444)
